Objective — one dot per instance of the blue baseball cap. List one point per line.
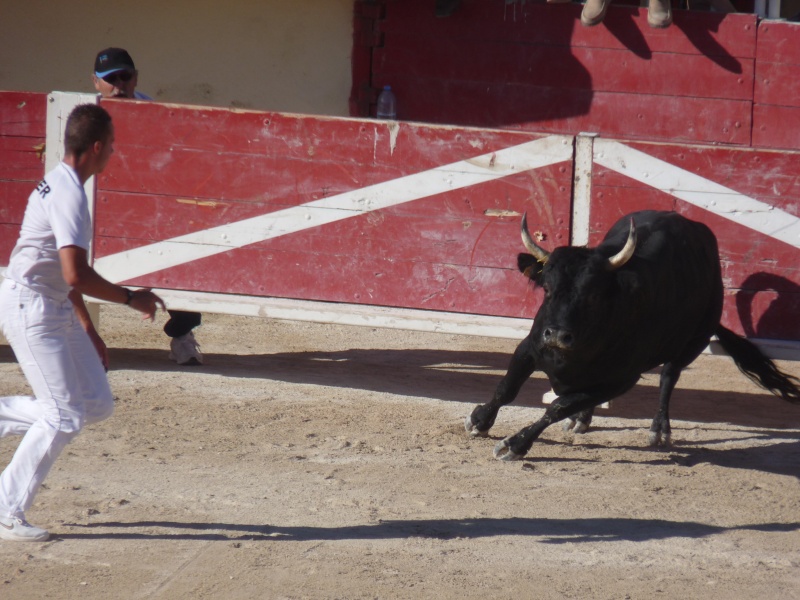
(112, 60)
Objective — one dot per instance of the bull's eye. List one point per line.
(546, 289)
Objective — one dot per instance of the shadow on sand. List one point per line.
(552, 531)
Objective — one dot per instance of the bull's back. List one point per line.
(677, 261)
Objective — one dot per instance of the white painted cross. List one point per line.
(480, 169)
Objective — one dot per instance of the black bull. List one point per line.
(650, 294)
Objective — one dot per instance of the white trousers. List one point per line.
(69, 384)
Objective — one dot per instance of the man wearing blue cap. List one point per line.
(115, 76)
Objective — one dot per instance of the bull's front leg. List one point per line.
(515, 447)
(521, 367)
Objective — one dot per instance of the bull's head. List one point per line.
(541, 255)
(581, 285)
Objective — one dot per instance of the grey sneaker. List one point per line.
(17, 529)
(185, 350)
(659, 13)
(593, 12)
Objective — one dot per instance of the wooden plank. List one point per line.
(563, 67)
(22, 133)
(22, 114)
(13, 200)
(779, 42)
(537, 109)
(357, 278)
(776, 126)
(468, 237)
(778, 84)
(624, 27)
(19, 158)
(257, 148)
(348, 314)
(160, 215)
(776, 110)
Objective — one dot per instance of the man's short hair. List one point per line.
(86, 124)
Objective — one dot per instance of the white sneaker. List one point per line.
(185, 350)
(17, 529)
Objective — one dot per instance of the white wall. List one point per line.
(282, 55)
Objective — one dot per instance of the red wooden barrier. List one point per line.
(234, 202)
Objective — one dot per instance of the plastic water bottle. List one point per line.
(387, 104)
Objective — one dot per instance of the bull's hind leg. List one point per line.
(660, 429)
(521, 367)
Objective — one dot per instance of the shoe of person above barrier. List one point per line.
(17, 529)
(185, 350)
(659, 13)
(594, 11)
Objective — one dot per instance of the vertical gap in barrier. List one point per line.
(59, 105)
(582, 188)
(366, 37)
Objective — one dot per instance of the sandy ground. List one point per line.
(311, 461)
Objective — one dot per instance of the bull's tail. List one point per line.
(757, 367)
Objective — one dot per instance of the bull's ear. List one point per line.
(529, 266)
(629, 282)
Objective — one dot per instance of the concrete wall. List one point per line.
(291, 56)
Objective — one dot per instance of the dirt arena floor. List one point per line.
(313, 461)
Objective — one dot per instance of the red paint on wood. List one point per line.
(23, 114)
(564, 67)
(23, 117)
(777, 85)
(776, 126)
(778, 42)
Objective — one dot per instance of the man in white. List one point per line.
(44, 318)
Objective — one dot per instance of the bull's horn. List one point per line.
(624, 255)
(538, 253)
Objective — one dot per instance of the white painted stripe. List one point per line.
(699, 191)
(209, 242)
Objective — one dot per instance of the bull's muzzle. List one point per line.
(558, 338)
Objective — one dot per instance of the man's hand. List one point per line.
(146, 302)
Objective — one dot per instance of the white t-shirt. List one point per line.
(57, 215)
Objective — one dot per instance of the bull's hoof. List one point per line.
(658, 439)
(580, 427)
(502, 451)
(472, 429)
(573, 426)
